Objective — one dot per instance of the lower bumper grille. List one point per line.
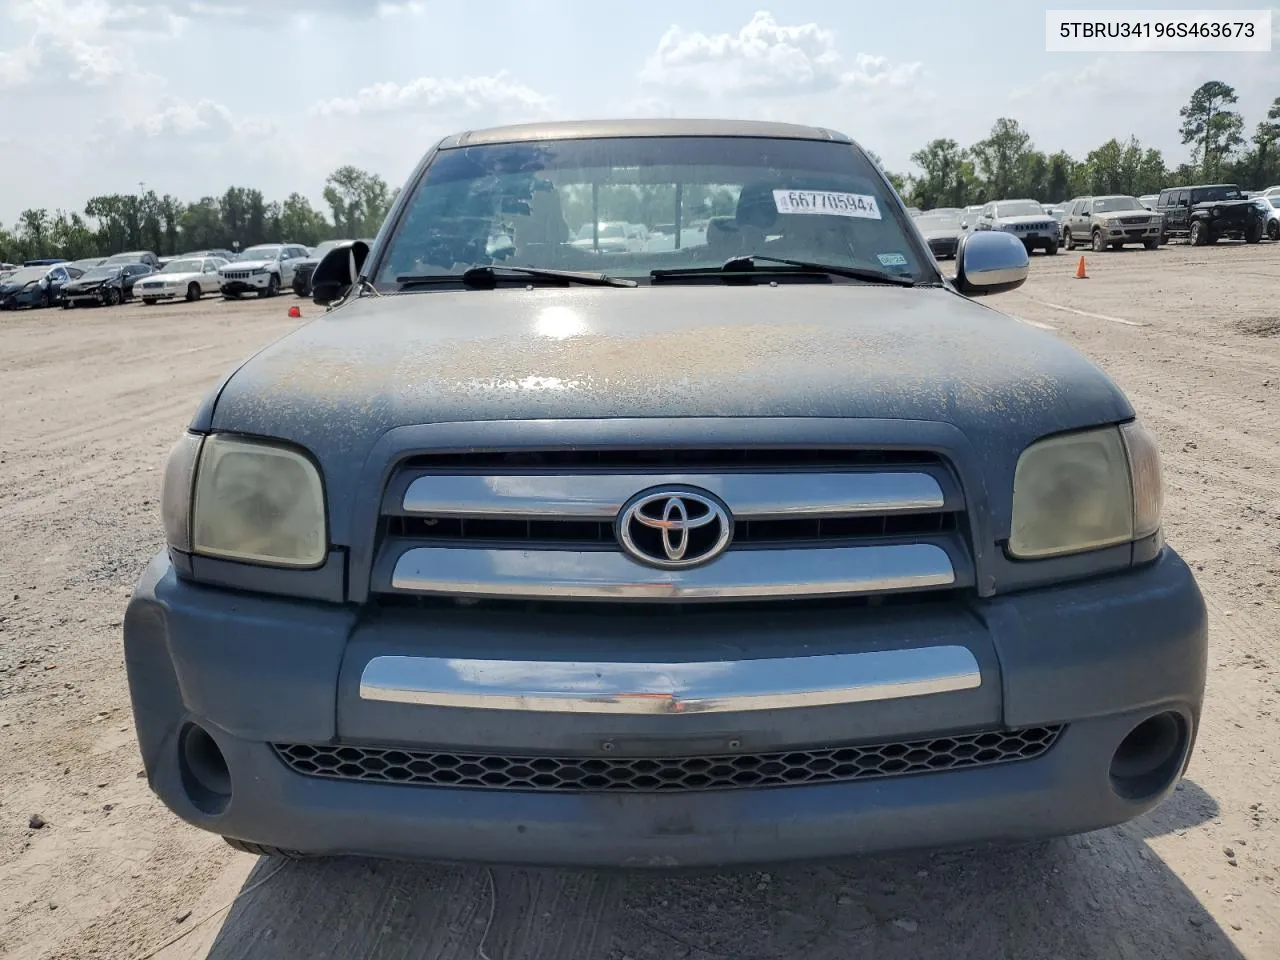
(666, 774)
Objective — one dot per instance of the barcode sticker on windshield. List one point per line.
(827, 202)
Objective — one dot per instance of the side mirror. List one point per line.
(335, 274)
(991, 261)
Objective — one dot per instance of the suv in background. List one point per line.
(262, 269)
(1110, 221)
(1025, 219)
(1207, 213)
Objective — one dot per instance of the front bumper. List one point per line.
(96, 295)
(1096, 658)
(248, 284)
(1132, 234)
(158, 293)
(23, 298)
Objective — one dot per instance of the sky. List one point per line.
(191, 96)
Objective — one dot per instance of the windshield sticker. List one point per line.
(827, 202)
(891, 259)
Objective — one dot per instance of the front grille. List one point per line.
(587, 532)
(237, 275)
(666, 774)
(542, 523)
(1133, 221)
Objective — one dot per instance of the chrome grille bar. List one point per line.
(600, 496)
(728, 686)
(735, 575)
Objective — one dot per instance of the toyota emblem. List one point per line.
(674, 527)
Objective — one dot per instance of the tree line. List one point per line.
(358, 202)
(1005, 164)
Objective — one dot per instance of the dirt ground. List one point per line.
(90, 402)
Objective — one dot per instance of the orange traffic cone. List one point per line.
(294, 312)
(1080, 274)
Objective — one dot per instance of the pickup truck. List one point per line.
(773, 546)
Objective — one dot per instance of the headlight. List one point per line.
(242, 499)
(1084, 491)
(260, 270)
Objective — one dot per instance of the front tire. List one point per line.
(1273, 230)
(1068, 240)
(262, 850)
(1051, 248)
(1254, 233)
(193, 292)
(46, 300)
(111, 298)
(1152, 243)
(148, 301)
(1198, 235)
(1098, 242)
(273, 287)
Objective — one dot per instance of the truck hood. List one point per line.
(246, 265)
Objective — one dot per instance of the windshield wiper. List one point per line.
(746, 264)
(490, 275)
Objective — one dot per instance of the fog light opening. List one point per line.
(204, 770)
(1150, 758)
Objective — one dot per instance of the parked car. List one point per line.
(135, 256)
(1110, 221)
(45, 262)
(303, 268)
(188, 277)
(1025, 219)
(1270, 207)
(942, 231)
(614, 237)
(37, 286)
(1149, 200)
(1205, 214)
(777, 561)
(1271, 192)
(106, 285)
(88, 263)
(262, 270)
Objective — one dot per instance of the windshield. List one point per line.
(27, 274)
(259, 253)
(1112, 204)
(1019, 208)
(101, 273)
(183, 266)
(939, 221)
(123, 258)
(714, 198)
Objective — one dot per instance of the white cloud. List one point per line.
(452, 96)
(765, 59)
